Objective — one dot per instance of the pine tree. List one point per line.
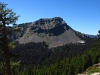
(7, 17)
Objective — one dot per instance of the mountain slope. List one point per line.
(92, 36)
(54, 31)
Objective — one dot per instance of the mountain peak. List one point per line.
(49, 21)
(54, 18)
(49, 26)
(54, 31)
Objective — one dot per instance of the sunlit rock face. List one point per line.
(54, 31)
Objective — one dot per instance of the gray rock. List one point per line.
(54, 31)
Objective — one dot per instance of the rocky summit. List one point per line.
(54, 31)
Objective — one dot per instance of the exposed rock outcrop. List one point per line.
(54, 31)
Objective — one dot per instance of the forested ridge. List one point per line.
(39, 53)
(70, 59)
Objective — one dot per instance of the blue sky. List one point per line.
(81, 15)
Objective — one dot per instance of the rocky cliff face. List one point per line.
(54, 31)
(54, 26)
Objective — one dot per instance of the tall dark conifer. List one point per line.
(7, 17)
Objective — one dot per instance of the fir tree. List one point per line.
(7, 17)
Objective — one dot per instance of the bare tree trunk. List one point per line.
(8, 64)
